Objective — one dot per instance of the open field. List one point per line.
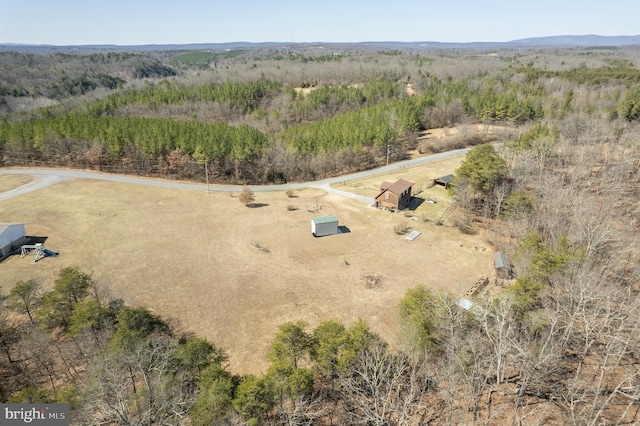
(188, 255)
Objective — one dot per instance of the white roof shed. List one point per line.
(324, 225)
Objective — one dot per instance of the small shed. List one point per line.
(444, 180)
(324, 225)
(503, 267)
(12, 235)
(395, 195)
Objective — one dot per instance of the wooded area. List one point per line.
(334, 128)
(558, 344)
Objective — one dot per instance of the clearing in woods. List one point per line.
(232, 274)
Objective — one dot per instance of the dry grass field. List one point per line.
(9, 182)
(188, 255)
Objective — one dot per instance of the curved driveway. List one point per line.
(46, 177)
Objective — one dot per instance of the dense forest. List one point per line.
(558, 343)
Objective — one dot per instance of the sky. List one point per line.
(135, 22)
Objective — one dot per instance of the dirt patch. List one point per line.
(307, 90)
(410, 90)
(304, 90)
(462, 130)
(466, 135)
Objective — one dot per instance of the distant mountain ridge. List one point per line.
(590, 40)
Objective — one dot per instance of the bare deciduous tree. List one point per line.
(246, 197)
(383, 388)
(25, 297)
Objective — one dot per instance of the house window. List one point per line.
(386, 195)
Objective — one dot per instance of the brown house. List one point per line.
(396, 195)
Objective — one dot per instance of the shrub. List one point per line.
(401, 228)
(246, 197)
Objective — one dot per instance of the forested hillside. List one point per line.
(556, 342)
(136, 113)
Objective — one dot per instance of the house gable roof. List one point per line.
(385, 185)
(397, 187)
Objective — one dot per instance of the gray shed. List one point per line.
(11, 234)
(444, 180)
(324, 225)
(503, 267)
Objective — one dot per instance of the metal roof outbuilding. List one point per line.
(324, 225)
(501, 261)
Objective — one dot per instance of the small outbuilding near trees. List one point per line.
(324, 225)
(12, 235)
(444, 180)
(503, 267)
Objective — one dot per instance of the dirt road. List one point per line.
(46, 177)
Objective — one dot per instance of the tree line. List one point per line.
(617, 70)
(241, 96)
(363, 122)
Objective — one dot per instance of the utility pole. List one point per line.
(388, 151)
(206, 173)
(202, 158)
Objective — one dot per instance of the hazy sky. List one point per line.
(65, 22)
